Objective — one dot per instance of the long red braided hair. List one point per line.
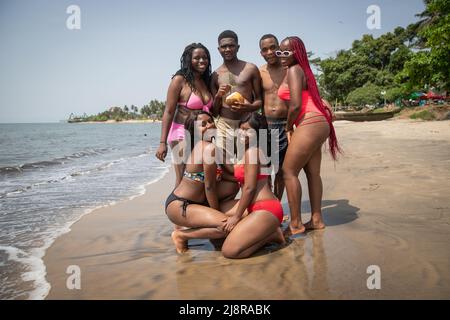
(301, 57)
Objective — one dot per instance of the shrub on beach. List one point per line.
(423, 115)
(396, 92)
(369, 94)
(426, 113)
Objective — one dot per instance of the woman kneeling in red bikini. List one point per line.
(261, 223)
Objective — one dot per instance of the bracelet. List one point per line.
(162, 142)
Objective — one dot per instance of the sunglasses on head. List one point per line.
(284, 54)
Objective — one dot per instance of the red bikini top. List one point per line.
(239, 174)
(284, 93)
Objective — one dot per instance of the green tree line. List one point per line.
(415, 58)
(153, 110)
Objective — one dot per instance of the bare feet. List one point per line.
(316, 223)
(180, 244)
(296, 229)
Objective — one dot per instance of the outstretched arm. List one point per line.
(228, 172)
(257, 94)
(257, 90)
(217, 93)
(173, 94)
(248, 190)
(210, 167)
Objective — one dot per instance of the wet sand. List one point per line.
(385, 203)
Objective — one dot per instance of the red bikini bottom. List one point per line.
(272, 205)
(302, 121)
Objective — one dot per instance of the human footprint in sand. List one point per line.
(313, 125)
(194, 203)
(248, 233)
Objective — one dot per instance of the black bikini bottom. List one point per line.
(172, 197)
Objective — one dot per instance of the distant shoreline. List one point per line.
(114, 121)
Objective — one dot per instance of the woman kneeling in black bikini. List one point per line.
(187, 204)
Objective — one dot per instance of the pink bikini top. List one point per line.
(195, 102)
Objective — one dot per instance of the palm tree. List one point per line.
(427, 16)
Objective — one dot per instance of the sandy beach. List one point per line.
(385, 203)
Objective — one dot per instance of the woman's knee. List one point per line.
(288, 173)
(294, 164)
(230, 252)
(312, 174)
(174, 217)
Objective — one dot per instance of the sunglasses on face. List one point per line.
(284, 54)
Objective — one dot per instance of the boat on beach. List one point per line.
(364, 116)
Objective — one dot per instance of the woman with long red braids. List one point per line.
(313, 125)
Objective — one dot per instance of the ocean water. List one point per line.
(53, 174)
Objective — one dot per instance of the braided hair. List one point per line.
(186, 66)
(301, 57)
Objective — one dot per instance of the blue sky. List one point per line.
(127, 51)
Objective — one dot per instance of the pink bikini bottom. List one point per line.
(176, 132)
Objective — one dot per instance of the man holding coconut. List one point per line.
(237, 91)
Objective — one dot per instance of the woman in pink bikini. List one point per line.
(188, 94)
(313, 125)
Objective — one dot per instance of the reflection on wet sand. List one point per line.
(297, 271)
(319, 283)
